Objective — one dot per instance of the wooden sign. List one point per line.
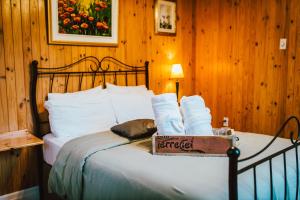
(191, 145)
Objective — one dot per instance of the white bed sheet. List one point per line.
(51, 147)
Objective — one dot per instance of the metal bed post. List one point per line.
(147, 74)
(33, 82)
(233, 154)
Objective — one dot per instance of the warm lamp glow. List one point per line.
(177, 71)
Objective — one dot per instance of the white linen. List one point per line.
(86, 114)
(52, 145)
(137, 174)
(130, 106)
(196, 117)
(116, 88)
(70, 96)
(167, 114)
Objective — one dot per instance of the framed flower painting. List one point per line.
(165, 17)
(83, 22)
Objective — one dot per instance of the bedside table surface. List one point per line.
(18, 139)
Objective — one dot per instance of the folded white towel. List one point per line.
(197, 118)
(167, 114)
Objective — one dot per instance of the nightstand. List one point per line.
(16, 140)
(16, 169)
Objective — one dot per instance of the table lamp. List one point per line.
(177, 73)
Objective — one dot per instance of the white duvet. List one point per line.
(130, 171)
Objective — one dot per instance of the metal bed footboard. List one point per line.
(233, 154)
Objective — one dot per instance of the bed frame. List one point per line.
(103, 69)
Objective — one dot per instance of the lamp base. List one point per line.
(177, 89)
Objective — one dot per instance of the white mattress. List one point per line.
(51, 147)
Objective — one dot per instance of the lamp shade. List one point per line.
(177, 71)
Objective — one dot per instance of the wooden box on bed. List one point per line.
(216, 145)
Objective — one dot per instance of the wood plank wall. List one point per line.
(23, 38)
(240, 71)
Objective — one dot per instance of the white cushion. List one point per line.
(130, 106)
(116, 88)
(81, 116)
(71, 96)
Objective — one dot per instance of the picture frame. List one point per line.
(165, 17)
(83, 22)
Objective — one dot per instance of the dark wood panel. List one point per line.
(240, 71)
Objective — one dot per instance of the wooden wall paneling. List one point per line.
(73, 81)
(35, 43)
(249, 40)
(4, 126)
(88, 79)
(206, 51)
(19, 67)
(44, 49)
(297, 65)
(259, 62)
(57, 54)
(260, 79)
(234, 103)
(67, 60)
(10, 65)
(27, 57)
(293, 34)
(187, 87)
(274, 73)
(7, 172)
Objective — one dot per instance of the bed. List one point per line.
(106, 166)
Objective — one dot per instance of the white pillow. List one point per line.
(130, 106)
(71, 96)
(81, 116)
(116, 88)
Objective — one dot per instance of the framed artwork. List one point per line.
(165, 17)
(83, 22)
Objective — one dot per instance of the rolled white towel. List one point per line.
(197, 118)
(167, 114)
(204, 129)
(166, 97)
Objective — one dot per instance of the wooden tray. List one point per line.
(192, 145)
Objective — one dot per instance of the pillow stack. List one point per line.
(80, 113)
(131, 102)
(97, 110)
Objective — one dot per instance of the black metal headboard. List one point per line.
(106, 67)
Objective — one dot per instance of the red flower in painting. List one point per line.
(73, 15)
(97, 8)
(62, 16)
(99, 25)
(72, 2)
(66, 21)
(60, 3)
(102, 4)
(66, 14)
(65, 5)
(105, 25)
(70, 9)
(77, 19)
(91, 19)
(75, 27)
(85, 15)
(84, 25)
